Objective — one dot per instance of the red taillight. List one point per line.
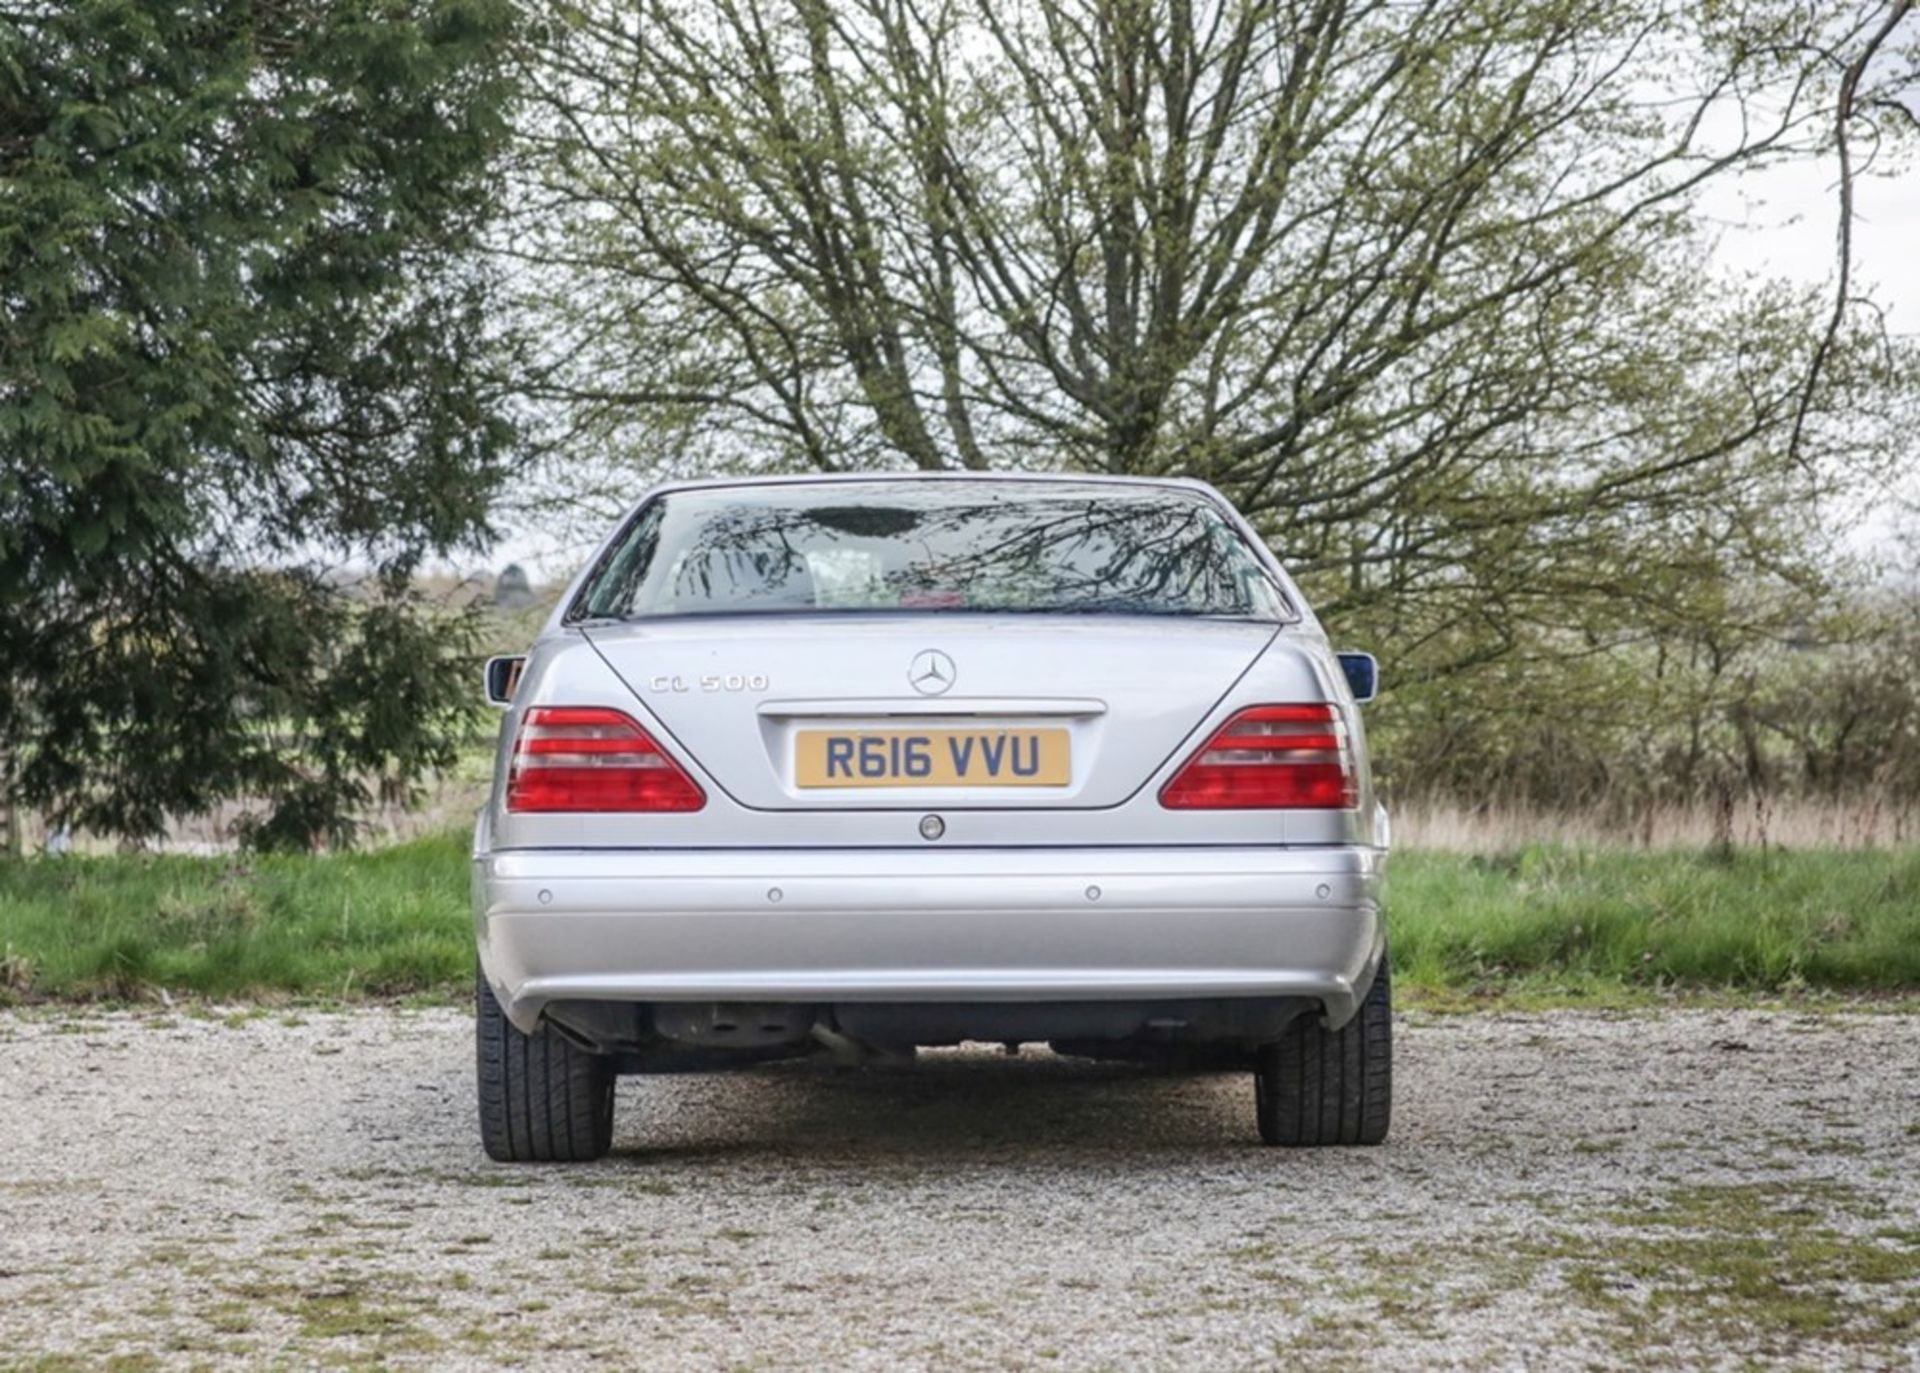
(588, 758)
(1269, 758)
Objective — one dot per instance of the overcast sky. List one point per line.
(1784, 222)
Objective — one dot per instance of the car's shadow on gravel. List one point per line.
(945, 1105)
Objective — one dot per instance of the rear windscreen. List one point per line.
(1042, 547)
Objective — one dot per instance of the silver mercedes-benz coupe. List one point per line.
(851, 765)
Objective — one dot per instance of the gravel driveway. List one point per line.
(1570, 1188)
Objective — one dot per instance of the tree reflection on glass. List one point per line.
(1065, 548)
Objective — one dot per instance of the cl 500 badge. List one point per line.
(731, 681)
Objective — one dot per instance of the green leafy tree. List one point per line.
(242, 357)
(1423, 285)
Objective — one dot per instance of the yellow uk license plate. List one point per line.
(932, 758)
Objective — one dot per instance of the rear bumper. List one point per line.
(915, 925)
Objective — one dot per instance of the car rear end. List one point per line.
(851, 766)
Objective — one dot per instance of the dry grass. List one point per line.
(1752, 824)
(446, 803)
(450, 803)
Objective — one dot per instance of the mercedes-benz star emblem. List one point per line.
(931, 672)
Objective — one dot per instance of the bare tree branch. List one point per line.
(1844, 109)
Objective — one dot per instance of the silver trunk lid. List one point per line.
(732, 694)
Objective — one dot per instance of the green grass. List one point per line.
(1544, 926)
(385, 923)
(1775, 921)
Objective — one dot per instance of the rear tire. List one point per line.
(542, 1099)
(1318, 1086)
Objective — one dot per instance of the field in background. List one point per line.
(1554, 921)
(1750, 823)
(451, 800)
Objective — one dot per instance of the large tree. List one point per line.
(241, 357)
(1424, 285)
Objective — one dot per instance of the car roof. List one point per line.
(865, 478)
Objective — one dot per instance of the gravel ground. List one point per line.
(1693, 1188)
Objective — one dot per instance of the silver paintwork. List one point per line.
(934, 924)
(1148, 681)
(677, 907)
(1137, 696)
